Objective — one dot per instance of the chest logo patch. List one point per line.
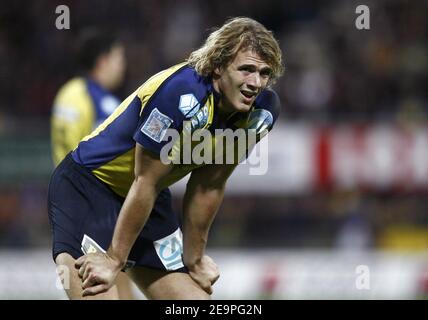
(188, 104)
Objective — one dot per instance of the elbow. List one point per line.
(148, 183)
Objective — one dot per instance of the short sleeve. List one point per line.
(170, 105)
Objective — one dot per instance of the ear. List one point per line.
(217, 72)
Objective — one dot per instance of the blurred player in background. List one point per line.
(84, 102)
(109, 198)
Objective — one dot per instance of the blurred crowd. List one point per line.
(334, 72)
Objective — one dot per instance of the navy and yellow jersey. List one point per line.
(79, 107)
(177, 98)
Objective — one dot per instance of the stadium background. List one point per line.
(348, 160)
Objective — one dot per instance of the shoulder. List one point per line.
(72, 99)
(269, 100)
(179, 87)
(176, 80)
(72, 87)
(265, 112)
(187, 79)
(73, 93)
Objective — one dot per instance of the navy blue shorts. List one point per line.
(83, 212)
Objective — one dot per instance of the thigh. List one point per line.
(163, 285)
(125, 287)
(73, 283)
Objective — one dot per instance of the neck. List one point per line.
(223, 114)
(100, 78)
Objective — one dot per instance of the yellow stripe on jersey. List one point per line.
(120, 170)
(119, 110)
(151, 85)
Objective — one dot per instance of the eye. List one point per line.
(245, 69)
(266, 74)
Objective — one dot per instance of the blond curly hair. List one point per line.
(237, 34)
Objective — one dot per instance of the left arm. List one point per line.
(204, 194)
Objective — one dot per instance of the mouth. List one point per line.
(248, 95)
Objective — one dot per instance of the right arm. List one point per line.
(163, 109)
(149, 172)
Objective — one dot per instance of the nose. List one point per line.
(254, 82)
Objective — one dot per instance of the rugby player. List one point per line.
(109, 198)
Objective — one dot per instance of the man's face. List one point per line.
(114, 63)
(241, 81)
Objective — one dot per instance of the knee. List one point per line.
(64, 260)
(197, 294)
